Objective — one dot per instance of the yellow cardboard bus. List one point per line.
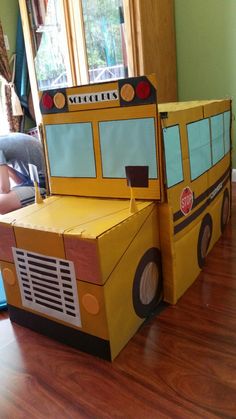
(138, 195)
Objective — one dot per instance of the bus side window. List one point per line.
(217, 136)
(173, 155)
(227, 131)
(199, 147)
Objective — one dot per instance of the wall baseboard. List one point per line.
(233, 175)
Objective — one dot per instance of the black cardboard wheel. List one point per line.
(204, 239)
(225, 210)
(147, 286)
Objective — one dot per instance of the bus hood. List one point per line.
(85, 217)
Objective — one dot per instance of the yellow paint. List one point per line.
(186, 265)
(35, 240)
(166, 228)
(122, 319)
(11, 287)
(103, 187)
(216, 107)
(180, 264)
(90, 304)
(38, 197)
(115, 242)
(132, 206)
(84, 217)
(9, 276)
(93, 323)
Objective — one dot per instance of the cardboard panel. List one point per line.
(115, 242)
(187, 268)
(216, 107)
(84, 254)
(104, 188)
(123, 322)
(102, 216)
(7, 242)
(11, 284)
(166, 228)
(93, 309)
(135, 144)
(44, 242)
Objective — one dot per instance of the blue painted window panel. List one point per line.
(217, 135)
(227, 126)
(173, 155)
(70, 150)
(199, 147)
(128, 143)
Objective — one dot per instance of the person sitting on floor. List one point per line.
(20, 154)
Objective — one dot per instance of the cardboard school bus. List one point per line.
(139, 194)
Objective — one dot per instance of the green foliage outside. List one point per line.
(102, 32)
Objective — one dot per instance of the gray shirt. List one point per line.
(18, 150)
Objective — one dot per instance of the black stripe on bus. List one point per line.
(199, 211)
(177, 215)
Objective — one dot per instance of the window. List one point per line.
(77, 42)
(199, 147)
(128, 143)
(217, 137)
(173, 155)
(52, 64)
(70, 150)
(104, 36)
(227, 126)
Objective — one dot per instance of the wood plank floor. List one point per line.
(181, 364)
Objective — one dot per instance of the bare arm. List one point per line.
(4, 179)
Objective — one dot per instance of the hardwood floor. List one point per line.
(181, 364)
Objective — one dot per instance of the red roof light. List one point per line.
(143, 90)
(47, 101)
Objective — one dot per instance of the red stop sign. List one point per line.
(186, 200)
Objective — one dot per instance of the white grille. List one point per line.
(48, 285)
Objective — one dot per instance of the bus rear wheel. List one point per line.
(147, 286)
(204, 239)
(225, 210)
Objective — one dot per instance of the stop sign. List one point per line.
(186, 200)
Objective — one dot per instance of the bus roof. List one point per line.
(179, 106)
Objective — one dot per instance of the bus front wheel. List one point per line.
(147, 286)
(204, 239)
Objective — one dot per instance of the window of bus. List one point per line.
(70, 150)
(173, 155)
(217, 138)
(199, 147)
(227, 127)
(128, 143)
